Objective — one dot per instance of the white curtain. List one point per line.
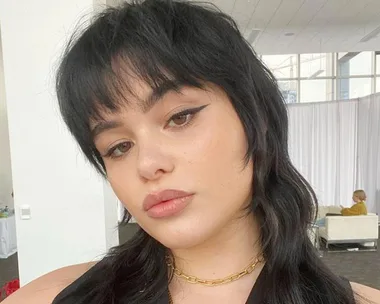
(336, 147)
(368, 143)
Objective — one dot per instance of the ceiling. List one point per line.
(307, 26)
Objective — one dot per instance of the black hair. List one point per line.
(193, 44)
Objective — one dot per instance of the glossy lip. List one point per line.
(166, 203)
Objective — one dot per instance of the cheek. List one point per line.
(218, 139)
(124, 185)
(218, 156)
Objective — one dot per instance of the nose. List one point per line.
(153, 161)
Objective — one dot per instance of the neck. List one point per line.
(226, 253)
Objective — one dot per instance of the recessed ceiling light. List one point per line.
(289, 34)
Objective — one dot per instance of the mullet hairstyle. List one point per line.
(177, 42)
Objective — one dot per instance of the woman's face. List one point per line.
(191, 141)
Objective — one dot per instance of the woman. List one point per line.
(169, 102)
(359, 208)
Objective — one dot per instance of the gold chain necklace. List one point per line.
(170, 297)
(194, 280)
(215, 282)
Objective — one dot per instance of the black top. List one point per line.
(256, 296)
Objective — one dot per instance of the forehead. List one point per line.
(138, 95)
(130, 84)
(143, 98)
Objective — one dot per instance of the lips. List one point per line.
(155, 199)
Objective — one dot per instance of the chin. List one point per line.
(180, 244)
(180, 239)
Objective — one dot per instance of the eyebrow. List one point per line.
(103, 126)
(159, 92)
(147, 104)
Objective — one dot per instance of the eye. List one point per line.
(183, 118)
(119, 150)
(180, 120)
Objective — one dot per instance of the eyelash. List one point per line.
(192, 112)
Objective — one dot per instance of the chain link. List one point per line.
(194, 280)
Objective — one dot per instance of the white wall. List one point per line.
(65, 194)
(5, 154)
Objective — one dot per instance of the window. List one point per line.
(282, 66)
(316, 90)
(377, 62)
(353, 87)
(355, 63)
(316, 65)
(288, 90)
(377, 84)
(325, 76)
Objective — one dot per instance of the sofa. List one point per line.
(363, 229)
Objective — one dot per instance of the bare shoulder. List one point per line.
(44, 289)
(367, 293)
